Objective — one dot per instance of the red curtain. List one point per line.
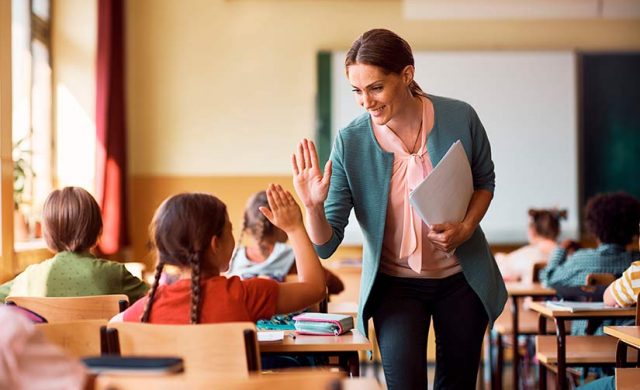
(111, 153)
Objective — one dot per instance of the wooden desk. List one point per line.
(346, 308)
(627, 378)
(603, 352)
(627, 336)
(306, 379)
(516, 291)
(345, 346)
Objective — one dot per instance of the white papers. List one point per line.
(270, 335)
(444, 195)
(574, 306)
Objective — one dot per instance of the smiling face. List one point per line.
(381, 94)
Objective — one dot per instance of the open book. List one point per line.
(444, 195)
(574, 306)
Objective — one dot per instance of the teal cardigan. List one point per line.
(360, 180)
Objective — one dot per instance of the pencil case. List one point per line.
(324, 324)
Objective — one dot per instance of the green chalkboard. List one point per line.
(610, 123)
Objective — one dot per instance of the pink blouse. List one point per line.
(406, 250)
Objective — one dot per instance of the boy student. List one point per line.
(613, 219)
(72, 224)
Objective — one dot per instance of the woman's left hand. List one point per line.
(448, 236)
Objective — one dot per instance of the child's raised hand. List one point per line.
(283, 210)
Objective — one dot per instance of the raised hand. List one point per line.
(311, 186)
(283, 210)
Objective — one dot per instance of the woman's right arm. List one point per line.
(312, 187)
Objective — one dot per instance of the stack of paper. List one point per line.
(444, 195)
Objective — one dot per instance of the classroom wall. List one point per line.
(221, 88)
(220, 91)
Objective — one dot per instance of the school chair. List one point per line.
(228, 349)
(76, 338)
(299, 379)
(62, 309)
(599, 279)
(537, 267)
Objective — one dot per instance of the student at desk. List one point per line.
(72, 225)
(267, 254)
(623, 292)
(192, 231)
(543, 231)
(613, 219)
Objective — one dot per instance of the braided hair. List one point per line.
(256, 223)
(181, 231)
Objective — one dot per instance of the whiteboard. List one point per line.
(527, 102)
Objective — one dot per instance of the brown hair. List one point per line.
(546, 222)
(384, 49)
(71, 220)
(181, 231)
(613, 217)
(256, 223)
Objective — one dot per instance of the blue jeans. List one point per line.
(402, 309)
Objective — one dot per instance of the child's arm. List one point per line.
(285, 213)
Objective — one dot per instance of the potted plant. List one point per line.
(22, 173)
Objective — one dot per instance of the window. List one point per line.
(32, 114)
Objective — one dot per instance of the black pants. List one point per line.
(402, 309)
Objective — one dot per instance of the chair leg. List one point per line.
(499, 362)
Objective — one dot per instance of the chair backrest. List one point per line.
(599, 279)
(77, 338)
(300, 379)
(229, 349)
(638, 310)
(536, 268)
(64, 309)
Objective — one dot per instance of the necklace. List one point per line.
(413, 148)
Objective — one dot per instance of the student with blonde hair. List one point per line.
(72, 224)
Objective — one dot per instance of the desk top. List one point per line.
(351, 341)
(546, 311)
(628, 378)
(346, 308)
(520, 289)
(628, 334)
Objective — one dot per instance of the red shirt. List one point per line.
(222, 300)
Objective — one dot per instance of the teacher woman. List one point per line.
(408, 277)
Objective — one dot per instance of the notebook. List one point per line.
(134, 365)
(323, 323)
(574, 306)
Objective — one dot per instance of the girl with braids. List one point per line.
(267, 254)
(543, 232)
(192, 231)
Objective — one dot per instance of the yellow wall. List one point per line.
(219, 88)
(227, 87)
(220, 91)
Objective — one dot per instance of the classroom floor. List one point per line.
(372, 370)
